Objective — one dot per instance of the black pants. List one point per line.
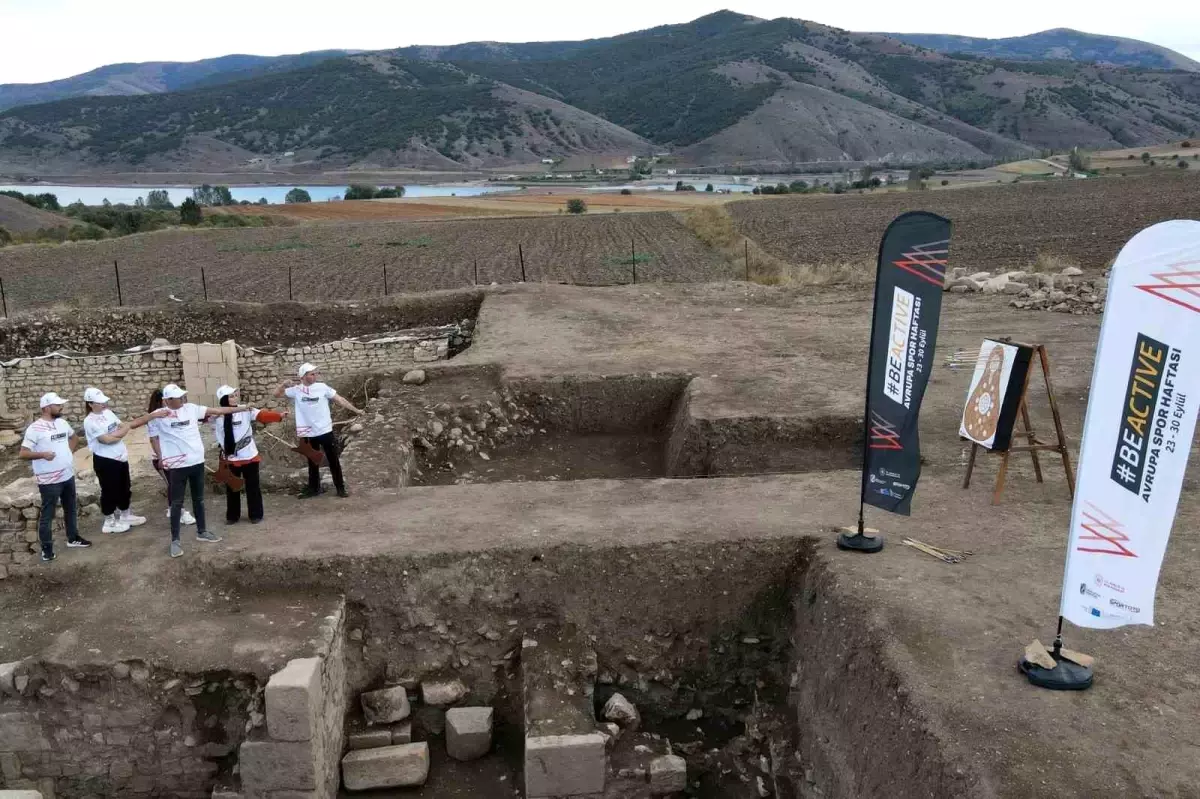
(252, 489)
(327, 444)
(115, 492)
(179, 481)
(52, 494)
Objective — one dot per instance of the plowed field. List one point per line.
(995, 227)
(347, 261)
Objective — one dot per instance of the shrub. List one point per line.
(86, 232)
(1145, 157)
(576, 206)
(360, 192)
(945, 183)
(709, 188)
(159, 200)
(5, 236)
(189, 212)
(798, 186)
(297, 195)
(1183, 164)
(1186, 144)
(626, 192)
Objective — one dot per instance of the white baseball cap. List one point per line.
(305, 368)
(95, 395)
(172, 391)
(52, 399)
(225, 391)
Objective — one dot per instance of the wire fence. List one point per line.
(353, 262)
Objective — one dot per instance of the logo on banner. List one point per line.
(1103, 535)
(1181, 288)
(895, 378)
(1147, 428)
(926, 261)
(884, 434)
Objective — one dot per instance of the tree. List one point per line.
(1145, 157)
(263, 201)
(782, 188)
(798, 186)
(1186, 143)
(576, 206)
(190, 213)
(298, 195)
(626, 192)
(212, 195)
(709, 188)
(865, 173)
(679, 185)
(1079, 161)
(159, 200)
(756, 190)
(359, 192)
(5, 236)
(138, 202)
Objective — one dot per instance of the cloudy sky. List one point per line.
(49, 39)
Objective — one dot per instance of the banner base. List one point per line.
(1065, 676)
(851, 540)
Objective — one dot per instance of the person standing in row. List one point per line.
(314, 423)
(50, 444)
(156, 402)
(110, 458)
(235, 438)
(176, 439)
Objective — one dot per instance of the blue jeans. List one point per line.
(52, 493)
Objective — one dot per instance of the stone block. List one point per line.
(668, 774)
(402, 733)
(370, 739)
(278, 765)
(21, 732)
(8, 674)
(564, 765)
(21, 794)
(406, 765)
(208, 353)
(225, 793)
(468, 732)
(293, 700)
(386, 706)
(440, 693)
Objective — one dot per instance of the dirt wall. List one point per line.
(277, 324)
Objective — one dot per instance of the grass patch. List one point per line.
(715, 227)
(419, 241)
(281, 246)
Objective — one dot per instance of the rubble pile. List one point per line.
(1068, 291)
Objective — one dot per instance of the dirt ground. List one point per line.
(952, 633)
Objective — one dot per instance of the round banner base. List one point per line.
(1065, 676)
(860, 543)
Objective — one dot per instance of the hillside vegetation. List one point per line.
(723, 89)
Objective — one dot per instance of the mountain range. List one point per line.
(724, 89)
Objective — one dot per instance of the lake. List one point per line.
(96, 195)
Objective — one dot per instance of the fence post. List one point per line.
(289, 282)
(633, 258)
(476, 281)
(747, 243)
(204, 283)
(117, 272)
(3, 298)
(521, 255)
(385, 287)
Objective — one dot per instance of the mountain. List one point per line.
(154, 77)
(1059, 44)
(723, 89)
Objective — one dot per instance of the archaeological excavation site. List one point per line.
(588, 552)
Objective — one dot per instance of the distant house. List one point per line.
(547, 160)
(672, 171)
(289, 153)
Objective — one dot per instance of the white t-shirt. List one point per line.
(53, 436)
(103, 424)
(312, 409)
(243, 435)
(179, 436)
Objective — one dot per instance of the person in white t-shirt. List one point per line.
(310, 399)
(235, 440)
(110, 458)
(50, 444)
(175, 438)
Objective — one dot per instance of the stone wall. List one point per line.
(20, 510)
(298, 751)
(129, 730)
(128, 378)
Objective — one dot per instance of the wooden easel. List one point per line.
(1034, 446)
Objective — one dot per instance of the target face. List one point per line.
(991, 383)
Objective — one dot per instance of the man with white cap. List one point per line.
(50, 444)
(176, 440)
(310, 398)
(235, 440)
(110, 459)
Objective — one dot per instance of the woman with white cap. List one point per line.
(315, 423)
(110, 459)
(176, 440)
(235, 439)
(50, 444)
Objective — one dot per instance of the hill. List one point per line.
(20, 217)
(154, 77)
(723, 89)
(1059, 44)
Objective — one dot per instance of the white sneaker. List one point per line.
(184, 518)
(129, 518)
(114, 524)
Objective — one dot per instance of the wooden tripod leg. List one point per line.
(1058, 428)
(1000, 479)
(970, 465)
(1037, 466)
